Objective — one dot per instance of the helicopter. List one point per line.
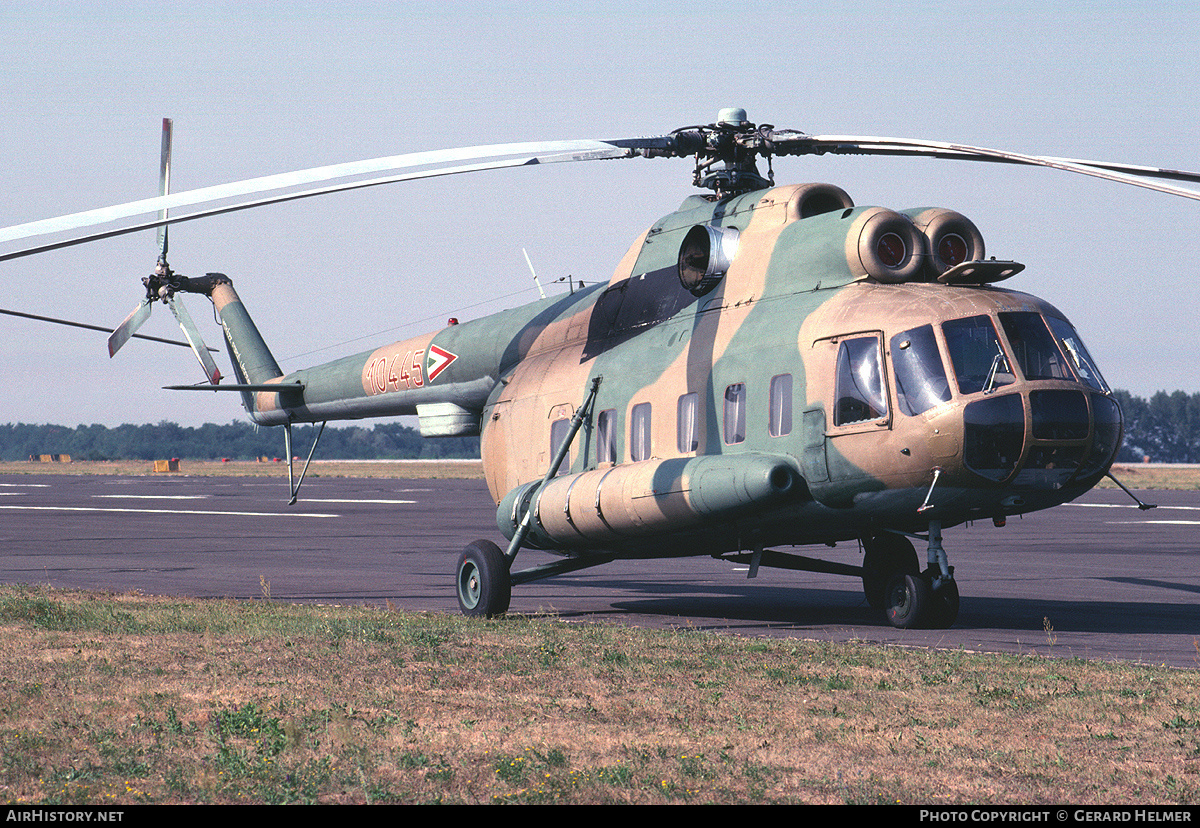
(769, 367)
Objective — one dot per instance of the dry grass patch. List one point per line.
(1158, 476)
(128, 698)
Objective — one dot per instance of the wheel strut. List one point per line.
(926, 599)
(942, 610)
(939, 563)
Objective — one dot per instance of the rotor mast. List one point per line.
(725, 152)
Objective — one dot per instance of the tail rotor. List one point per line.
(163, 284)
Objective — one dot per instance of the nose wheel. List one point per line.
(912, 602)
(884, 556)
(943, 611)
(895, 585)
(907, 600)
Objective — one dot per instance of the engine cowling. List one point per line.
(886, 246)
(950, 239)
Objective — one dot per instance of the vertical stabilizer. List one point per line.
(252, 360)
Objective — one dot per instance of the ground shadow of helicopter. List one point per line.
(800, 608)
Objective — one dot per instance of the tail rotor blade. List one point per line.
(128, 327)
(164, 183)
(193, 337)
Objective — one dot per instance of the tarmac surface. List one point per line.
(1095, 579)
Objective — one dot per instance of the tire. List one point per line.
(482, 582)
(908, 599)
(885, 555)
(943, 606)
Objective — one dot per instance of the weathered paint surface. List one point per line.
(798, 287)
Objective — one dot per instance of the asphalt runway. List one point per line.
(1093, 579)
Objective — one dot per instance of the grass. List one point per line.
(120, 699)
(1154, 476)
(124, 699)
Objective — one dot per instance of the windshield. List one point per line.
(1034, 347)
(1080, 359)
(975, 350)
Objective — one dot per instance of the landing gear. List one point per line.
(885, 555)
(943, 611)
(484, 581)
(894, 584)
(907, 600)
(484, 585)
(912, 602)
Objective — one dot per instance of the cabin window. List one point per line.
(559, 429)
(920, 376)
(780, 406)
(1034, 348)
(978, 357)
(639, 432)
(860, 391)
(606, 436)
(686, 424)
(735, 413)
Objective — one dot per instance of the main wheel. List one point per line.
(885, 555)
(908, 600)
(484, 587)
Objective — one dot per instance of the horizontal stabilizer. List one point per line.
(274, 386)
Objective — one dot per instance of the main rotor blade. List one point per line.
(528, 153)
(294, 196)
(867, 145)
(193, 336)
(127, 328)
(681, 143)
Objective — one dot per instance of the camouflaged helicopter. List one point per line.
(768, 367)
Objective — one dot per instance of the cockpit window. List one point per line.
(920, 377)
(978, 358)
(1076, 353)
(1033, 347)
(861, 395)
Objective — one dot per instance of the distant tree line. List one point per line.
(235, 441)
(1165, 429)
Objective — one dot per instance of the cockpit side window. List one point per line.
(861, 394)
(1034, 347)
(1076, 353)
(920, 376)
(978, 357)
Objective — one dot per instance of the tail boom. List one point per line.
(412, 376)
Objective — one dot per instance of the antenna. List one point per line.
(534, 272)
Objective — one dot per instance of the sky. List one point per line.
(261, 87)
